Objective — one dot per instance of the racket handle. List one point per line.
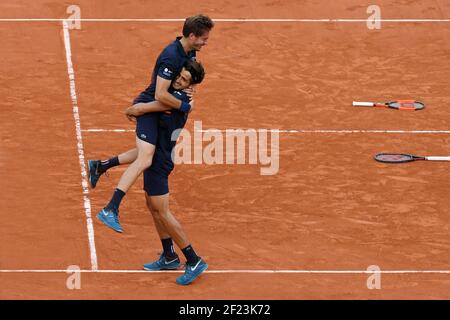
(438, 158)
(363, 104)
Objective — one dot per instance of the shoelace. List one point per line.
(99, 173)
(181, 266)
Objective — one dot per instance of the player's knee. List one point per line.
(144, 162)
(149, 204)
(154, 213)
(164, 214)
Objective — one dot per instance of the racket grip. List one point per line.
(438, 158)
(363, 104)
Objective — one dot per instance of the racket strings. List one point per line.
(393, 158)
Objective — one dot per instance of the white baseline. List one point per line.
(227, 20)
(282, 271)
(318, 131)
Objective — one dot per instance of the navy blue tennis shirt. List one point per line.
(167, 66)
(168, 124)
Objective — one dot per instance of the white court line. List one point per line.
(76, 115)
(230, 271)
(297, 131)
(224, 20)
(107, 130)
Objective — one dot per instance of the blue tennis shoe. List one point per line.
(94, 172)
(192, 272)
(163, 264)
(110, 217)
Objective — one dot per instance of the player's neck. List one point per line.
(185, 45)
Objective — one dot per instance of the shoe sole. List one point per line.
(162, 269)
(99, 217)
(192, 280)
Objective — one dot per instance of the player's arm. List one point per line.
(162, 95)
(141, 108)
(155, 106)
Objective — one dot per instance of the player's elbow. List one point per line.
(159, 96)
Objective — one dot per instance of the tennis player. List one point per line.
(169, 64)
(156, 177)
(156, 186)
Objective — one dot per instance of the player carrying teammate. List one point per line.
(169, 63)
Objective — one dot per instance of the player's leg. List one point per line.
(135, 169)
(160, 228)
(195, 265)
(157, 189)
(128, 156)
(168, 260)
(146, 136)
(156, 183)
(164, 216)
(98, 167)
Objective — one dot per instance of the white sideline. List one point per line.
(76, 115)
(297, 131)
(238, 271)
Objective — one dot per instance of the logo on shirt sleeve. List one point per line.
(167, 72)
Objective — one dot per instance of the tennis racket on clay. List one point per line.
(410, 105)
(402, 158)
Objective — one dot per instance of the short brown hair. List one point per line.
(197, 25)
(196, 70)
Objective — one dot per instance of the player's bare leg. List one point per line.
(168, 260)
(159, 225)
(143, 161)
(96, 168)
(109, 215)
(128, 156)
(165, 222)
(167, 225)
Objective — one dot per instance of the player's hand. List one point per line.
(131, 118)
(190, 91)
(133, 111)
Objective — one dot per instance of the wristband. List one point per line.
(185, 107)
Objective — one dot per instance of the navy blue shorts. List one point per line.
(147, 124)
(147, 127)
(155, 183)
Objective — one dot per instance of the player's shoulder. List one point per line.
(171, 50)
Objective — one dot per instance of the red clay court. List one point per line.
(308, 232)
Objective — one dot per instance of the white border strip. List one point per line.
(297, 131)
(107, 130)
(76, 115)
(239, 271)
(222, 20)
